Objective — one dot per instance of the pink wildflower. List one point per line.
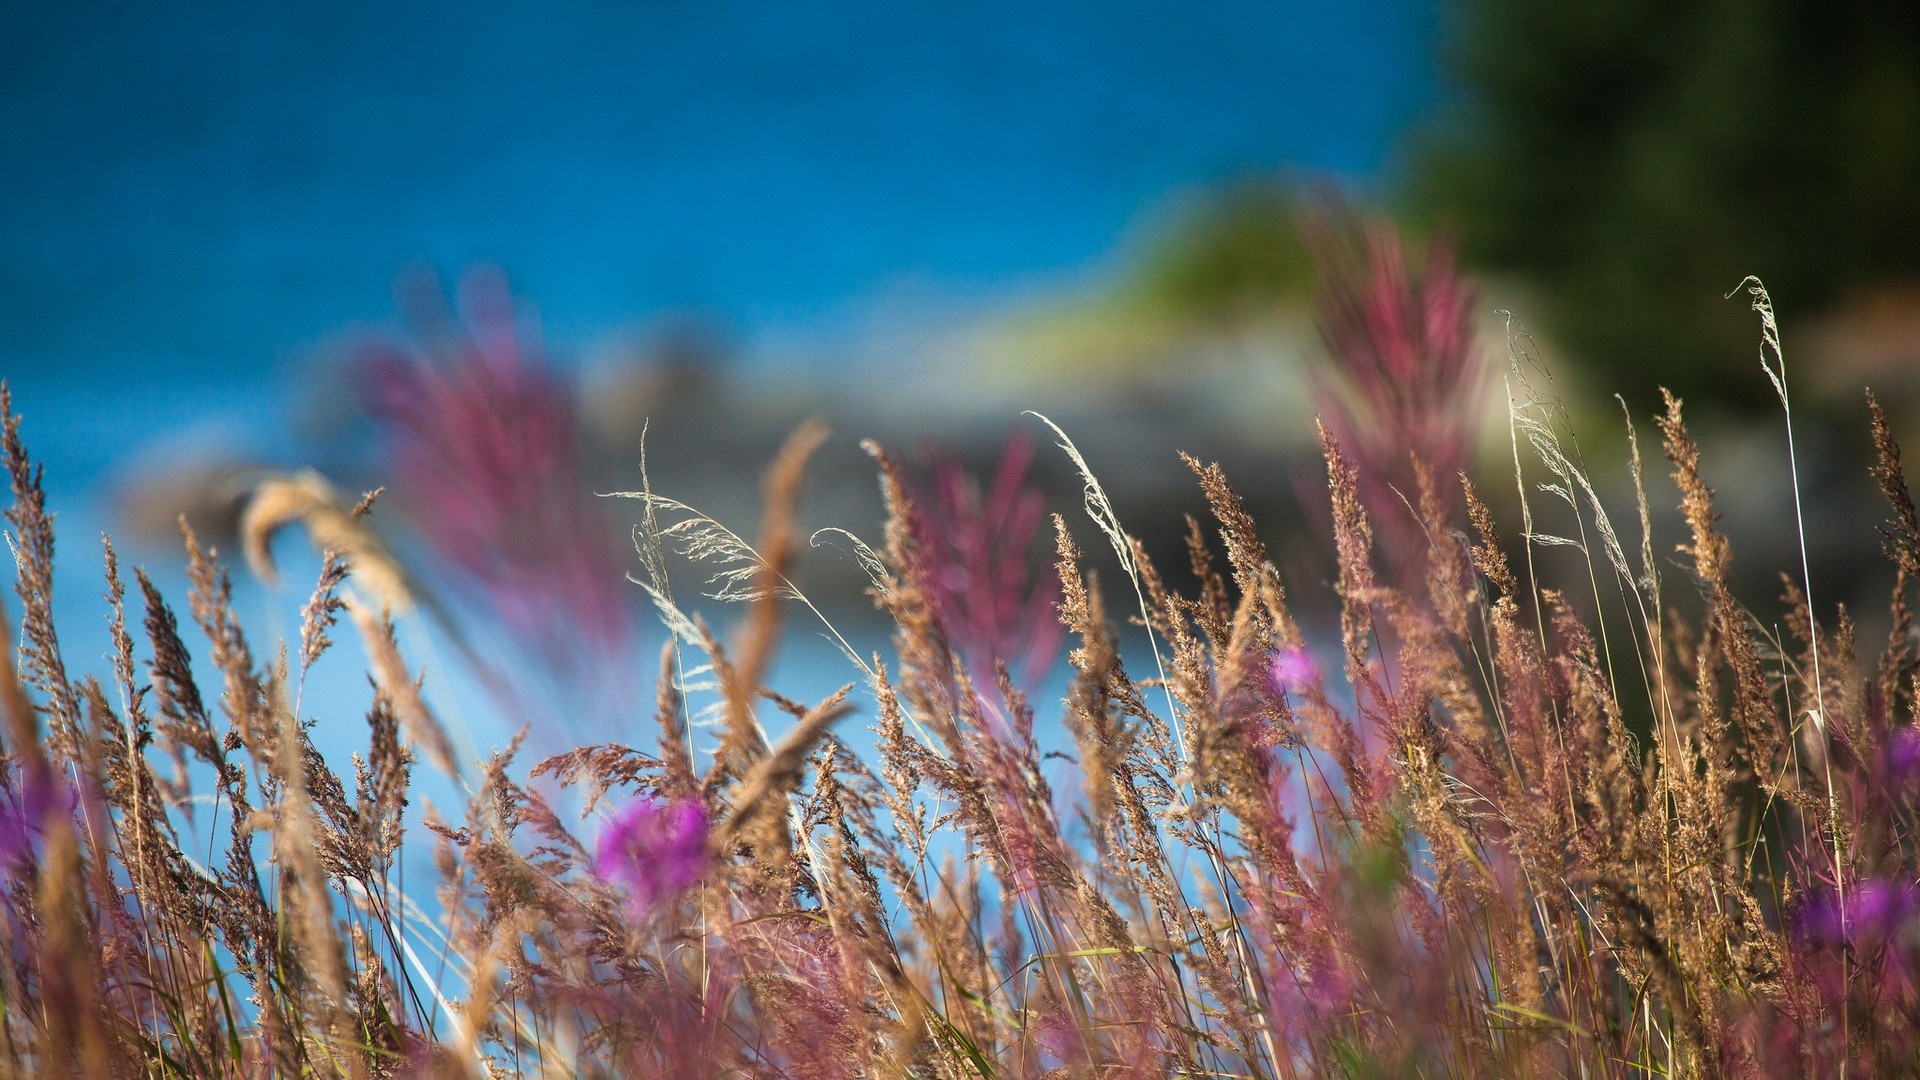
(483, 444)
(1874, 915)
(655, 850)
(995, 604)
(27, 811)
(1903, 761)
(1294, 670)
(1400, 382)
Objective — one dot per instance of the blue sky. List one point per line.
(202, 191)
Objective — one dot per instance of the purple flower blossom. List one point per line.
(1401, 381)
(1875, 913)
(483, 445)
(1903, 760)
(1294, 670)
(993, 598)
(655, 850)
(25, 813)
(1859, 956)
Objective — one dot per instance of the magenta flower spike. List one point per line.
(655, 850)
(1294, 670)
(1903, 761)
(1874, 914)
(482, 440)
(1401, 380)
(27, 811)
(995, 604)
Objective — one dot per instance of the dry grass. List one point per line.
(1459, 858)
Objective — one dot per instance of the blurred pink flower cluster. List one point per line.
(482, 442)
(1294, 671)
(1401, 382)
(1861, 954)
(655, 850)
(1875, 915)
(993, 595)
(28, 807)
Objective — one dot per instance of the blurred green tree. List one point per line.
(1635, 159)
(1227, 254)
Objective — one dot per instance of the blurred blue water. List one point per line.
(191, 194)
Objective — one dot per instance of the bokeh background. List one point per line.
(917, 221)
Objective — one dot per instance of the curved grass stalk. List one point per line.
(1762, 305)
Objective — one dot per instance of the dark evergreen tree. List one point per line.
(1636, 158)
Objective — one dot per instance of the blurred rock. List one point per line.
(208, 489)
